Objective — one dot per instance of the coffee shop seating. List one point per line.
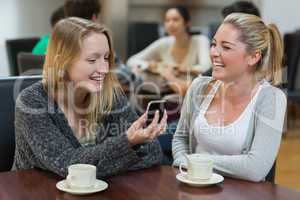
(10, 87)
(140, 35)
(14, 47)
(30, 64)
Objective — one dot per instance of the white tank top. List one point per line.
(222, 140)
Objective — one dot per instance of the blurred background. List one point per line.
(30, 18)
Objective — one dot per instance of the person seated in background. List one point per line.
(241, 7)
(78, 112)
(238, 6)
(86, 9)
(236, 116)
(41, 46)
(177, 56)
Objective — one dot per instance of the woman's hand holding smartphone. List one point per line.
(138, 133)
(153, 106)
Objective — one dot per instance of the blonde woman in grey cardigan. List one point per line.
(237, 116)
(78, 113)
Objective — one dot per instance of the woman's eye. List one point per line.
(212, 44)
(226, 48)
(106, 59)
(91, 61)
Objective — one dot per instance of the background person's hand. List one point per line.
(176, 70)
(168, 72)
(136, 134)
(152, 67)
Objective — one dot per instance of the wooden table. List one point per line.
(151, 184)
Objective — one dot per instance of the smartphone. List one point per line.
(152, 107)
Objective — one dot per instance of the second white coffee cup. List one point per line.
(199, 167)
(81, 176)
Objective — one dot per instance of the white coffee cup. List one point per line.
(81, 176)
(199, 167)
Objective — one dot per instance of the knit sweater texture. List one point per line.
(45, 140)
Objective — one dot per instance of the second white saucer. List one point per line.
(216, 178)
(99, 186)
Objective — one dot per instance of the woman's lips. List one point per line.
(218, 65)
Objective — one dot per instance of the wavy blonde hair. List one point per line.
(63, 49)
(263, 38)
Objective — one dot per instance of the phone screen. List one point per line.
(154, 106)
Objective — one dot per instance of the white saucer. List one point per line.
(216, 178)
(99, 186)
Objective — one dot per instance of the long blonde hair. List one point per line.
(264, 38)
(63, 49)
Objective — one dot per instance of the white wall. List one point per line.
(284, 13)
(114, 15)
(23, 18)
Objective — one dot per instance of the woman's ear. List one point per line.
(254, 58)
(65, 75)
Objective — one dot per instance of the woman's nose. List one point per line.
(169, 24)
(215, 51)
(103, 67)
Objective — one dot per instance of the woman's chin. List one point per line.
(91, 88)
(95, 89)
(216, 75)
(171, 33)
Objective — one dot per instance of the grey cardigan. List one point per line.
(263, 137)
(45, 140)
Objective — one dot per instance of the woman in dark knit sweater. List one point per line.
(78, 113)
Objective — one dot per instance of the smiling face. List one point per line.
(89, 70)
(229, 56)
(175, 23)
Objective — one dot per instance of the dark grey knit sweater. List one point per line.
(45, 140)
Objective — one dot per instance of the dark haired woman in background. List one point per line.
(176, 56)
